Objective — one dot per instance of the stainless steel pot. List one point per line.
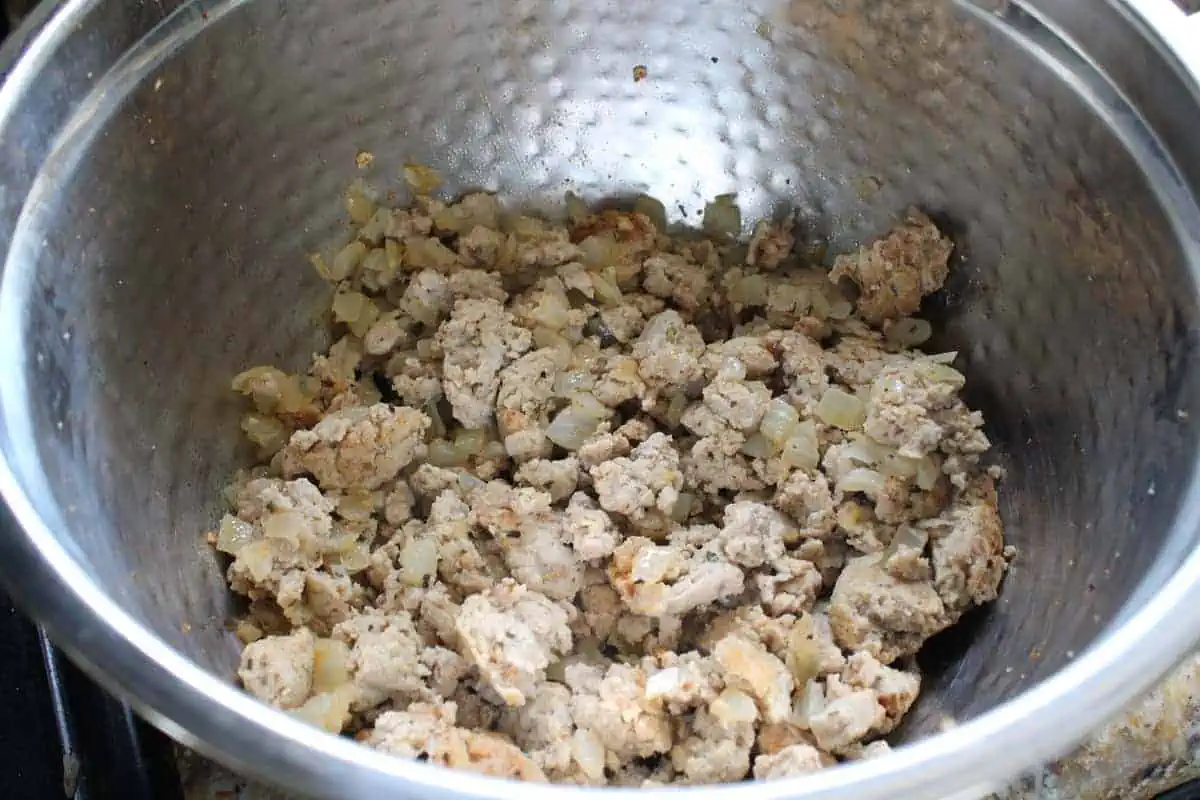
(166, 165)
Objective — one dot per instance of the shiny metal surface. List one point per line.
(166, 165)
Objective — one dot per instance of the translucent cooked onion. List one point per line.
(841, 409)
(234, 534)
(577, 209)
(418, 561)
(803, 654)
(653, 209)
(395, 254)
(329, 710)
(731, 368)
(373, 232)
(810, 704)
(468, 482)
(723, 218)
(589, 405)
(733, 707)
(330, 668)
(421, 179)
(801, 451)
(867, 481)
(573, 426)
(600, 250)
(442, 453)
(909, 332)
(588, 753)
(267, 432)
(430, 253)
(676, 407)
(258, 558)
(779, 422)
(376, 272)
(683, 507)
(359, 203)
(571, 382)
(545, 337)
(819, 306)
(347, 260)
(290, 526)
(553, 311)
(607, 291)
(757, 446)
(355, 558)
(898, 466)
(437, 426)
(929, 469)
(247, 632)
(749, 291)
(941, 373)
(469, 443)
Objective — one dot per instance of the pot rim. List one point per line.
(221, 721)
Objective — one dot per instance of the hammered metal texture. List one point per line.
(169, 254)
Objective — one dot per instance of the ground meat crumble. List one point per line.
(578, 503)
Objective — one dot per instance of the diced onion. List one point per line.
(330, 665)
(803, 653)
(469, 443)
(810, 704)
(732, 369)
(941, 373)
(267, 432)
(733, 707)
(444, 454)
(683, 507)
(757, 446)
(359, 204)
(372, 233)
(652, 209)
(675, 408)
(247, 632)
(723, 218)
(909, 332)
(329, 710)
(289, 526)
(346, 261)
(606, 288)
(600, 250)
(570, 382)
(588, 753)
(749, 291)
(573, 426)
(577, 209)
(395, 254)
(841, 409)
(235, 534)
(422, 180)
(801, 450)
(258, 558)
(779, 422)
(928, 472)
(896, 465)
(867, 481)
(418, 561)
(355, 558)
(552, 311)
